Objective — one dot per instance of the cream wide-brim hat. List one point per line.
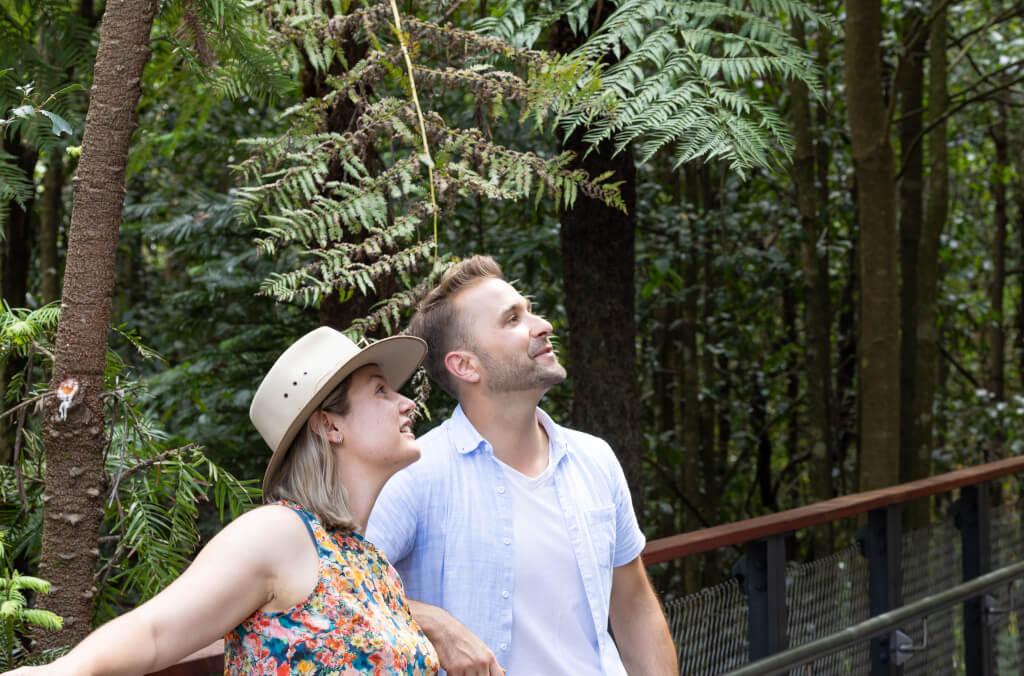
(309, 370)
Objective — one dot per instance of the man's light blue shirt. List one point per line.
(445, 523)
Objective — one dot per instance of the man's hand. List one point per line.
(459, 650)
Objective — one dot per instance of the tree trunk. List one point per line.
(49, 228)
(18, 238)
(16, 250)
(814, 265)
(690, 369)
(75, 481)
(1019, 339)
(598, 274)
(914, 460)
(996, 333)
(846, 406)
(879, 354)
(937, 206)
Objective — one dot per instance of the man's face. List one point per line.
(511, 343)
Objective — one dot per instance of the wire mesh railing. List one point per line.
(715, 634)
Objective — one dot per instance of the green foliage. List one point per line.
(313, 188)
(685, 76)
(157, 482)
(17, 617)
(40, 107)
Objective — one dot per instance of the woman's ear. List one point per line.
(328, 425)
(463, 366)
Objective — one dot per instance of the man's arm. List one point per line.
(641, 633)
(459, 650)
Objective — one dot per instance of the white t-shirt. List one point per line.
(553, 632)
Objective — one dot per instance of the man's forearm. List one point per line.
(644, 642)
(459, 650)
(432, 620)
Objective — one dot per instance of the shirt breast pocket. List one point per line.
(601, 524)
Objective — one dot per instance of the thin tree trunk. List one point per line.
(15, 250)
(846, 397)
(690, 366)
(49, 228)
(763, 440)
(18, 239)
(879, 354)
(75, 481)
(814, 265)
(996, 382)
(937, 206)
(913, 462)
(1019, 339)
(792, 337)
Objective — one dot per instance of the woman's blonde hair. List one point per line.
(309, 474)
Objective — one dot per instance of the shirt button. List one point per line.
(506, 541)
(504, 594)
(504, 646)
(501, 489)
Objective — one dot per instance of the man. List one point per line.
(515, 536)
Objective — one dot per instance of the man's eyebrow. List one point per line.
(518, 305)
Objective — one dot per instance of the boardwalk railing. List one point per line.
(880, 606)
(831, 604)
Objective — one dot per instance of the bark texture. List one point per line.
(879, 346)
(75, 480)
(598, 245)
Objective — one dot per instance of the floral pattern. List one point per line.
(355, 621)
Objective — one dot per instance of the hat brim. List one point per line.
(398, 358)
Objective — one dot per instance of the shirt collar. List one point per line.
(467, 439)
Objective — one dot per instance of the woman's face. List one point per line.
(377, 430)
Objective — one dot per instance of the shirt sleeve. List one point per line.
(629, 539)
(392, 524)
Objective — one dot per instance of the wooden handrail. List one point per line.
(725, 535)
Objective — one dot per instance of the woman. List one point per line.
(292, 584)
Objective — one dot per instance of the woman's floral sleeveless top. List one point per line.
(356, 620)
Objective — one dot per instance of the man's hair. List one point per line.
(436, 320)
(309, 474)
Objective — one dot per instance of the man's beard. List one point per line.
(521, 375)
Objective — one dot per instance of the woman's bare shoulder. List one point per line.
(270, 533)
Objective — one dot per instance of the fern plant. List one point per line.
(157, 482)
(17, 618)
(362, 204)
(684, 76)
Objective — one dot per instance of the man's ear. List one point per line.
(463, 366)
(328, 425)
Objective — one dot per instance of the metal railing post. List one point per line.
(881, 540)
(762, 575)
(972, 517)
